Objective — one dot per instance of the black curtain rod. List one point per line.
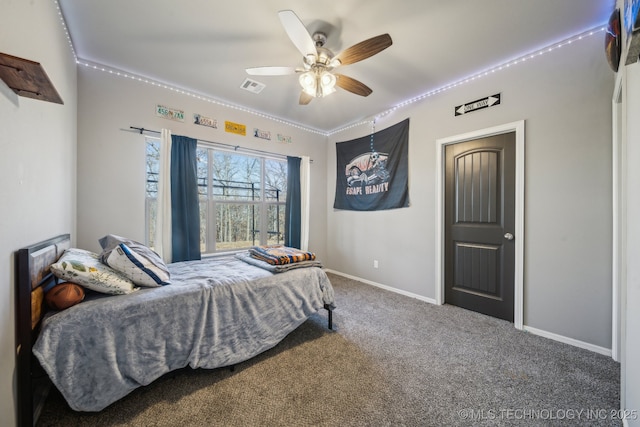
(235, 147)
(141, 130)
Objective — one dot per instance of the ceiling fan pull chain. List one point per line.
(373, 130)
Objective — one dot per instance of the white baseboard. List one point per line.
(535, 331)
(385, 287)
(567, 340)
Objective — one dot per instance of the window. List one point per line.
(151, 197)
(242, 198)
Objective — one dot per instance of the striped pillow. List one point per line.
(138, 267)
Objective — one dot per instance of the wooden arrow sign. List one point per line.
(478, 104)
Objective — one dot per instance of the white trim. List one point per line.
(305, 201)
(385, 287)
(567, 340)
(518, 128)
(618, 255)
(535, 331)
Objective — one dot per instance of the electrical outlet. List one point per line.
(375, 263)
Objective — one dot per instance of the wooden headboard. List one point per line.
(33, 275)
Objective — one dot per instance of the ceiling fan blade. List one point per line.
(297, 32)
(352, 85)
(364, 49)
(270, 71)
(305, 98)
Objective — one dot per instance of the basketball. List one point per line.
(64, 295)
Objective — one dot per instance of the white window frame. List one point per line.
(212, 203)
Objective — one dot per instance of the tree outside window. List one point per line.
(242, 198)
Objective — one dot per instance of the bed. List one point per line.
(216, 313)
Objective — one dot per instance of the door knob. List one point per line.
(508, 236)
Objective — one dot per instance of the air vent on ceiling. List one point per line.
(252, 86)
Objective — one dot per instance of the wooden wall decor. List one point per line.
(27, 78)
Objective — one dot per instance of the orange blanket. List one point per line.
(279, 254)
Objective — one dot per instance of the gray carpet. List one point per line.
(391, 360)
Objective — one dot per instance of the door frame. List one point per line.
(619, 224)
(518, 280)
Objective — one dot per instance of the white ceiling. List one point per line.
(204, 46)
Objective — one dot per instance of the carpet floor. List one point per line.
(391, 360)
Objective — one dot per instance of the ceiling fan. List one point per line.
(316, 74)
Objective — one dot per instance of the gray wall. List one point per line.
(565, 99)
(37, 161)
(111, 162)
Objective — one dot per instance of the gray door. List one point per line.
(479, 225)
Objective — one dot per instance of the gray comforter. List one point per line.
(216, 312)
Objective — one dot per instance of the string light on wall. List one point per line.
(194, 95)
(66, 30)
(373, 131)
(421, 97)
(474, 77)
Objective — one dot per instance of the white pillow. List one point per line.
(140, 269)
(85, 269)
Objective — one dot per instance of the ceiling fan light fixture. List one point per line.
(327, 80)
(317, 83)
(324, 56)
(308, 82)
(327, 83)
(315, 77)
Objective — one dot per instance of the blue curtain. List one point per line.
(185, 209)
(292, 213)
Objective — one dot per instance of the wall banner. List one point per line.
(373, 171)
